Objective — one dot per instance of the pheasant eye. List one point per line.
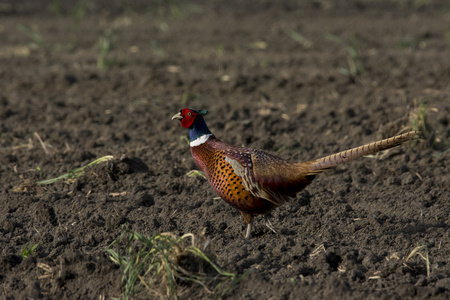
(189, 114)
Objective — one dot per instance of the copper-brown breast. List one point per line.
(230, 188)
(210, 158)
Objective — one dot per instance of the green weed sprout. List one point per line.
(78, 13)
(419, 119)
(355, 66)
(28, 251)
(106, 45)
(33, 34)
(299, 39)
(196, 173)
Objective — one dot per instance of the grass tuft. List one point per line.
(422, 252)
(75, 173)
(161, 265)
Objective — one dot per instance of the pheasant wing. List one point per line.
(241, 160)
(278, 176)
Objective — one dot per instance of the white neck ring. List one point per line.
(200, 140)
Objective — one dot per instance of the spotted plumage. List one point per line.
(254, 181)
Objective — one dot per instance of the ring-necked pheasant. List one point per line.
(256, 182)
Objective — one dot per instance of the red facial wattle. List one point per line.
(188, 117)
(186, 122)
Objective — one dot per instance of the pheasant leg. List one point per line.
(249, 230)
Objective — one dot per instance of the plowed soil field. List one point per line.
(300, 79)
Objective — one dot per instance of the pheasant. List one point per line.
(254, 181)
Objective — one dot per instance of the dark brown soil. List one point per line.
(265, 88)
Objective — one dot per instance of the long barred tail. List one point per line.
(333, 160)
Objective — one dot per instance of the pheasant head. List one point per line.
(193, 120)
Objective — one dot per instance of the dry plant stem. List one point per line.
(44, 146)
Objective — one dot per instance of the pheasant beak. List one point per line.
(177, 116)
